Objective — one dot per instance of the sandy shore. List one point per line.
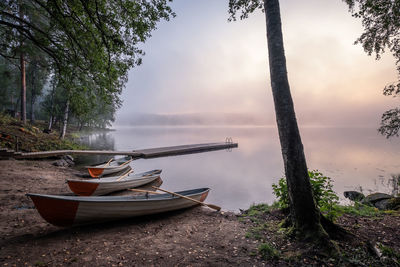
(195, 237)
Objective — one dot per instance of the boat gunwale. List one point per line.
(123, 199)
(109, 166)
(152, 172)
(104, 181)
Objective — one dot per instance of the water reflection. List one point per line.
(100, 141)
(353, 158)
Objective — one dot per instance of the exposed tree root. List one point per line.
(335, 231)
(320, 237)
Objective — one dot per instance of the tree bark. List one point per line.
(51, 120)
(303, 210)
(23, 89)
(33, 97)
(65, 120)
(33, 100)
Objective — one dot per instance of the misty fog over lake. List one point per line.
(355, 158)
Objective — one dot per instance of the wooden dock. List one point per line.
(136, 154)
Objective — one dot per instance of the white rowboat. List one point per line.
(74, 210)
(109, 167)
(103, 186)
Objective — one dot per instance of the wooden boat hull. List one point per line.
(67, 211)
(103, 186)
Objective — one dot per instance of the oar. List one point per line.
(126, 162)
(105, 165)
(143, 191)
(215, 207)
(123, 176)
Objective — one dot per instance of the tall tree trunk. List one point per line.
(33, 99)
(65, 120)
(33, 96)
(13, 106)
(81, 125)
(51, 120)
(304, 213)
(23, 89)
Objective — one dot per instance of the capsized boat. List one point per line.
(109, 167)
(103, 186)
(63, 210)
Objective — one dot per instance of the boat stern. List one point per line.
(58, 212)
(95, 172)
(82, 188)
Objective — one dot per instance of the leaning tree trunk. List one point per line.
(304, 213)
(23, 89)
(65, 120)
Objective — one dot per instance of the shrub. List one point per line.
(325, 198)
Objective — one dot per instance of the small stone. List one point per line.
(354, 195)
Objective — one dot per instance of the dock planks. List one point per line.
(136, 154)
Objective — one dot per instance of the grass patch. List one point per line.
(257, 231)
(258, 209)
(31, 137)
(268, 252)
(390, 253)
(359, 209)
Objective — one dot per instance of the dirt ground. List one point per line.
(194, 237)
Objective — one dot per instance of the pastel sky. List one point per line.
(199, 62)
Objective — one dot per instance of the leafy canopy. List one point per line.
(86, 40)
(381, 22)
(88, 44)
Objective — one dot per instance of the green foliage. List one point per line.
(246, 7)
(390, 123)
(8, 80)
(268, 252)
(358, 209)
(258, 209)
(322, 188)
(30, 137)
(380, 20)
(280, 190)
(85, 47)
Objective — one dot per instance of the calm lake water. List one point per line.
(355, 158)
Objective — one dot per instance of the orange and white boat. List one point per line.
(112, 166)
(103, 186)
(62, 210)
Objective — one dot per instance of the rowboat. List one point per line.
(63, 210)
(96, 187)
(109, 167)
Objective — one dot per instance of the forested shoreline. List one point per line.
(46, 99)
(67, 61)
